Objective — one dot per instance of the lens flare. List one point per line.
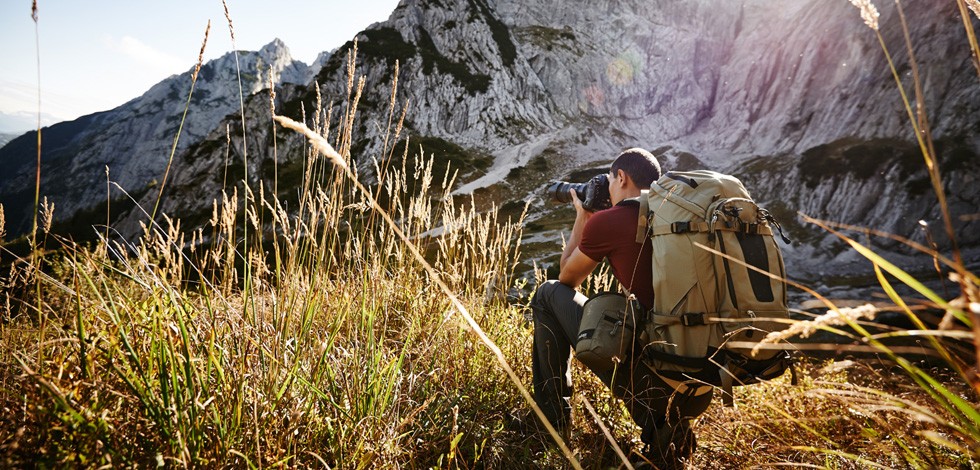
(595, 96)
(623, 69)
(619, 72)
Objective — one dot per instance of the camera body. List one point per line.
(594, 193)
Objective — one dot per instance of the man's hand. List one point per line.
(575, 266)
(580, 211)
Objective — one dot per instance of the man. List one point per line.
(663, 414)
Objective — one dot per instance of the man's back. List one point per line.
(611, 234)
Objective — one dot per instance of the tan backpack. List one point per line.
(710, 310)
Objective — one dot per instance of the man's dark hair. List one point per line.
(642, 167)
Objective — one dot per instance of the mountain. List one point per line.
(133, 141)
(794, 97)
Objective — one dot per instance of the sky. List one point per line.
(98, 54)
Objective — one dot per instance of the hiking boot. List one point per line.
(667, 448)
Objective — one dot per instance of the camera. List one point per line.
(594, 193)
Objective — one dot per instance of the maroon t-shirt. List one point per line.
(611, 233)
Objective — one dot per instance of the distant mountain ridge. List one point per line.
(21, 122)
(5, 138)
(134, 140)
(795, 97)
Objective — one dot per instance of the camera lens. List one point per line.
(562, 191)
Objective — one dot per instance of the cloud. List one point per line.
(146, 55)
(19, 98)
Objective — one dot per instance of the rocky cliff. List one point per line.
(795, 97)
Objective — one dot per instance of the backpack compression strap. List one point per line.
(687, 227)
(686, 319)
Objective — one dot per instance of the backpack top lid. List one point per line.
(695, 190)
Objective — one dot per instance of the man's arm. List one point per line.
(575, 266)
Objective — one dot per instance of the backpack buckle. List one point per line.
(692, 319)
(737, 360)
(680, 227)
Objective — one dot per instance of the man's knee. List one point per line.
(544, 294)
(546, 298)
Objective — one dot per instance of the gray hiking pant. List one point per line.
(557, 313)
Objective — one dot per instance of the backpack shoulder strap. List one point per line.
(641, 218)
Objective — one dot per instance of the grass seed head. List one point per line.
(318, 142)
(272, 93)
(974, 6)
(200, 55)
(868, 13)
(47, 214)
(804, 329)
(231, 26)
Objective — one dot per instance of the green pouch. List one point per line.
(607, 332)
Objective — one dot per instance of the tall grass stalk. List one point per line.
(918, 119)
(37, 178)
(180, 127)
(324, 147)
(35, 249)
(971, 35)
(245, 181)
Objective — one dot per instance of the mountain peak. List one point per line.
(276, 49)
(276, 45)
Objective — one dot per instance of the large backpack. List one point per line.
(710, 310)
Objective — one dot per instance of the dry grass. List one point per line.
(846, 414)
(974, 7)
(332, 346)
(336, 350)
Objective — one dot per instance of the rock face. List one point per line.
(877, 184)
(726, 80)
(134, 140)
(794, 97)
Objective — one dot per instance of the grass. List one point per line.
(340, 352)
(344, 335)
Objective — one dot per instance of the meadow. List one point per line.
(383, 326)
